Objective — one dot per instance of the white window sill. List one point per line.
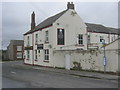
(46, 61)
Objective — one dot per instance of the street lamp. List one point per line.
(104, 57)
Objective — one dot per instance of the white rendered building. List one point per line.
(63, 31)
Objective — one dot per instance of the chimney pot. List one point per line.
(70, 5)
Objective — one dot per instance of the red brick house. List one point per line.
(15, 50)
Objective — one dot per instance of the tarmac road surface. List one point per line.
(19, 77)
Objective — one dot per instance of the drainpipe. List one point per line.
(33, 48)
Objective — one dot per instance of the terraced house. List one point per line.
(63, 31)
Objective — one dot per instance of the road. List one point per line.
(19, 77)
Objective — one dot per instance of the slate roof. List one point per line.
(90, 27)
(101, 29)
(48, 22)
(114, 30)
(17, 42)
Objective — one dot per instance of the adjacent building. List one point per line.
(4, 55)
(15, 50)
(97, 33)
(64, 31)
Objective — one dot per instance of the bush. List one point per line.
(77, 66)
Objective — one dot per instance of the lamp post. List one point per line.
(104, 57)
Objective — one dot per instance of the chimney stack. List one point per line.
(70, 5)
(33, 21)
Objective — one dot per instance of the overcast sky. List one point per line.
(16, 15)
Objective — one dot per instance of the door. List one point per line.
(67, 59)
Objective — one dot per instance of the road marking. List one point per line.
(36, 68)
(13, 72)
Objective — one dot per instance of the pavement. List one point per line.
(95, 75)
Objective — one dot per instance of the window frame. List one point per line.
(58, 39)
(19, 50)
(28, 54)
(80, 39)
(20, 55)
(36, 38)
(88, 39)
(36, 57)
(101, 39)
(28, 40)
(46, 55)
(112, 39)
(46, 36)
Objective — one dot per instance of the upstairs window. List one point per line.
(60, 36)
(101, 39)
(88, 39)
(80, 39)
(28, 40)
(112, 39)
(46, 36)
(36, 39)
(19, 48)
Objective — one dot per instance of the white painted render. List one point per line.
(67, 22)
(41, 40)
(26, 60)
(26, 40)
(113, 45)
(73, 25)
(89, 60)
(95, 38)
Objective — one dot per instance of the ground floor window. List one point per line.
(28, 54)
(36, 55)
(46, 54)
(19, 54)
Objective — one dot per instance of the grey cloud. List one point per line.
(105, 13)
(16, 15)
